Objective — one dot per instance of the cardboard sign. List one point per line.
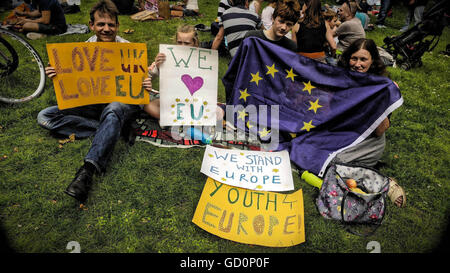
(251, 217)
(188, 86)
(91, 73)
(264, 171)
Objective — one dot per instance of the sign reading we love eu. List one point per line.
(188, 86)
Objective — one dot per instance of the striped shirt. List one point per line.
(236, 22)
(223, 6)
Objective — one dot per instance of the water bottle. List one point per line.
(199, 135)
(312, 179)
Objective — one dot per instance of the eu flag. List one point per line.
(325, 108)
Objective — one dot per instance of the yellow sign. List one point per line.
(251, 217)
(91, 73)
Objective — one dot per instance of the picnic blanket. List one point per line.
(148, 130)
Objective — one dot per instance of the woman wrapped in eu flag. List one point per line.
(362, 56)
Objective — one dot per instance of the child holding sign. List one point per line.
(186, 36)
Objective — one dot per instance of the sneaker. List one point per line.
(381, 26)
(404, 29)
(35, 35)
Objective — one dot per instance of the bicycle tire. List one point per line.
(8, 62)
(27, 80)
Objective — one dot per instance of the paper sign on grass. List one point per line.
(91, 73)
(264, 171)
(251, 217)
(188, 85)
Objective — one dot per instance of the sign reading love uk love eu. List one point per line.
(91, 73)
(188, 86)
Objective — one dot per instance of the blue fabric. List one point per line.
(352, 104)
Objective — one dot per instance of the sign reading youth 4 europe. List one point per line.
(325, 109)
(91, 73)
(264, 171)
(188, 85)
(251, 217)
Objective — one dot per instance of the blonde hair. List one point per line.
(188, 29)
(329, 14)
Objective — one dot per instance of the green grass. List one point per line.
(146, 199)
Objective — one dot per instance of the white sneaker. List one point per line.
(35, 35)
(404, 29)
(381, 26)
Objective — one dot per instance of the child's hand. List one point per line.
(147, 84)
(159, 59)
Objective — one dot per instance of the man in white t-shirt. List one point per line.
(103, 121)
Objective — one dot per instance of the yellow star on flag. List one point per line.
(290, 74)
(271, 70)
(314, 106)
(255, 78)
(264, 132)
(244, 94)
(307, 126)
(308, 87)
(249, 125)
(242, 115)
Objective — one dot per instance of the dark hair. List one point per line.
(236, 3)
(288, 10)
(377, 67)
(313, 14)
(105, 7)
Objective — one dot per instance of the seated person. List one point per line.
(102, 121)
(234, 24)
(186, 36)
(125, 6)
(283, 19)
(312, 32)
(350, 29)
(190, 8)
(266, 15)
(45, 18)
(332, 20)
(255, 6)
(151, 5)
(362, 56)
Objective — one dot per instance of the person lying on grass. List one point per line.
(186, 36)
(362, 56)
(103, 121)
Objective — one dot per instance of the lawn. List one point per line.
(146, 200)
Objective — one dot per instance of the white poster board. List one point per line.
(188, 86)
(254, 170)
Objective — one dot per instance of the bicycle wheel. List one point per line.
(22, 72)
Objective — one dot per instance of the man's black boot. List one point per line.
(81, 184)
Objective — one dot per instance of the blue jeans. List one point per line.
(385, 7)
(105, 121)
